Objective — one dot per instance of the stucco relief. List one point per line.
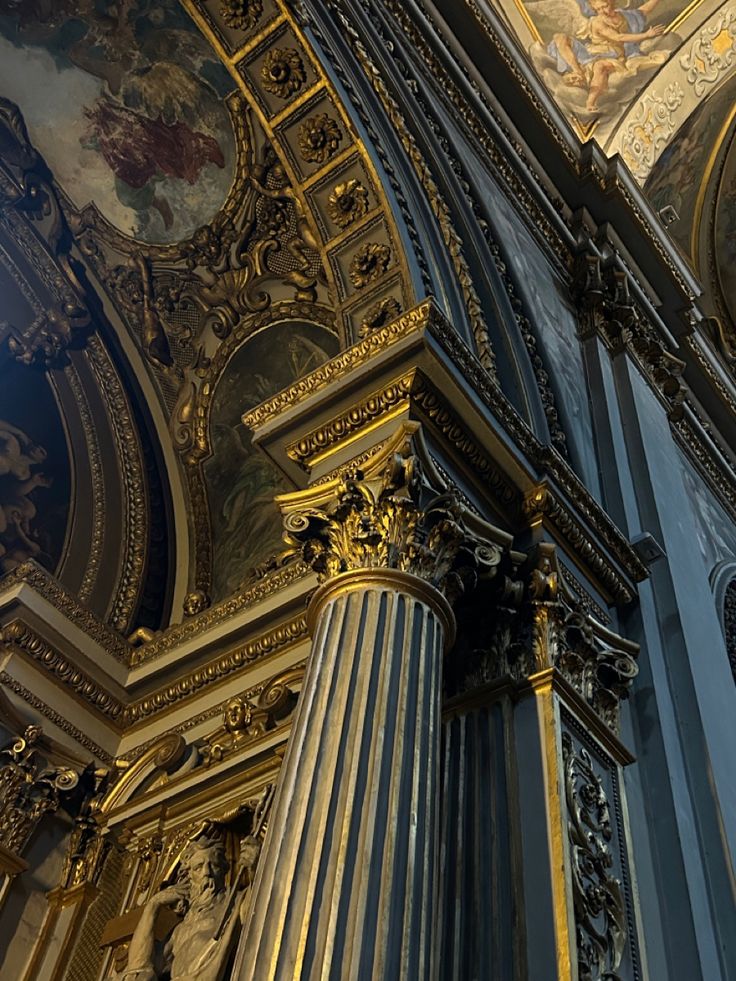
(703, 64)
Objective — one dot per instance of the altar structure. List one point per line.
(367, 490)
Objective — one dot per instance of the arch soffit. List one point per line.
(312, 132)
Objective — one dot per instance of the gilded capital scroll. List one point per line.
(394, 514)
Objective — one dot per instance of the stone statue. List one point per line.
(199, 946)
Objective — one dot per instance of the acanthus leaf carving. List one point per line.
(538, 624)
(609, 309)
(600, 909)
(393, 517)
(28, 789)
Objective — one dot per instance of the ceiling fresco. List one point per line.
(95, 80)
(653, 81)
(210, 187)
(627, 72)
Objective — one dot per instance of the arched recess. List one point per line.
(76, 464)
(262, 356)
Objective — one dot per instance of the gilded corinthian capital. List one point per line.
(394, 514)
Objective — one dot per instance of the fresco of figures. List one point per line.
(597, 55)
(241, 480)
(125, 103)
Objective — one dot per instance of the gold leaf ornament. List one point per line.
(347, 203)
(241, 15)
(369, 262)
(319, 137)
(380, 314)
(283, 72)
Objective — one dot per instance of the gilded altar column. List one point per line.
(347, 885)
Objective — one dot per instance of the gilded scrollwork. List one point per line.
(711, 53)
(649, 131)
(29, 788)
(600, 909)
(244, 719)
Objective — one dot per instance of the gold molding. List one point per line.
(18, 635)
(188, 686)
(353, 357)
(9, 682)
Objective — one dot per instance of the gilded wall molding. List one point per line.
(429, 401)
(51, 590)
(123, 714)
(136, 515)
(541, 503)
(9, 682)
(20, 636)
(98, 487)
(277, 639)
(512, 185)
(249, 595)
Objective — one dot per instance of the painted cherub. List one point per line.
(609, 37)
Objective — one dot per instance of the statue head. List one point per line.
(250, 849)
(237, 715)
(206, 864)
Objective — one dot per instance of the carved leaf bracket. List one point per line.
(608, 309)
(28, 789)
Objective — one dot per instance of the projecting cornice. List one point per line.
(417, 369)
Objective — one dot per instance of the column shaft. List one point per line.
(346, 886)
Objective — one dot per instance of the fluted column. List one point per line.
(346, 887)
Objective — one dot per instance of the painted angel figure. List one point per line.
(604, 44)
